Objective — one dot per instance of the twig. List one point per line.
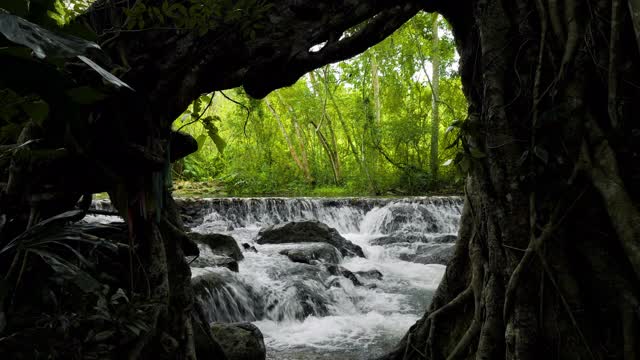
(201, 114)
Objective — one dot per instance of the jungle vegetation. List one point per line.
(364, 126)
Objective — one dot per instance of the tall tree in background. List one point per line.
(435, 104)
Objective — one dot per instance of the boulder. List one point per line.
(219, 244)
(370, 274)
(430, 254)
(240, 341)
(305, 232)
(310, 253)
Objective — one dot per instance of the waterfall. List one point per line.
(311, 309)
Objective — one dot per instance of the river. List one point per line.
(305, 312)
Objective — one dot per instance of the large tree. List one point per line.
(547, 262)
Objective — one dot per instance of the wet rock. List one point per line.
(387, 240)
(370, 274)
(309, 253)
(249, 247)
(308, 231)
(240, 341)
(216, 261)
(222, 297)
(446, 238)
(413, 238)
(337, 270)
(335, 282)
(311, 301)
(219, 244)
(430, 254)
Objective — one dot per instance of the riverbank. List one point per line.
(212, 189)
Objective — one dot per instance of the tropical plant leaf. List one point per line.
(47, 44)
(69, 271)
(104, 73)
(43, 42)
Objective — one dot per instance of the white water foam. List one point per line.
(303, 318)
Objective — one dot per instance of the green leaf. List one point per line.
(37, 110)
(200, 140)
(86, 95)
(220, 143)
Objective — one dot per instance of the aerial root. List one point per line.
(556, 24)
(472, 333)
(616, 15)
(477, 280)
(565, 303)
(457, 301)
(406, 349)
(570, 7)
(629, 317)
(602, 169)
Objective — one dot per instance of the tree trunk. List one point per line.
(546, 262)
(331, 147)
(435, 96)
(303, 166)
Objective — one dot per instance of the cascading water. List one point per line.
(310, 311)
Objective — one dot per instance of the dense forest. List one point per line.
(547, 256)
(367, 125)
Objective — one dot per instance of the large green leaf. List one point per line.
(47, 44)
